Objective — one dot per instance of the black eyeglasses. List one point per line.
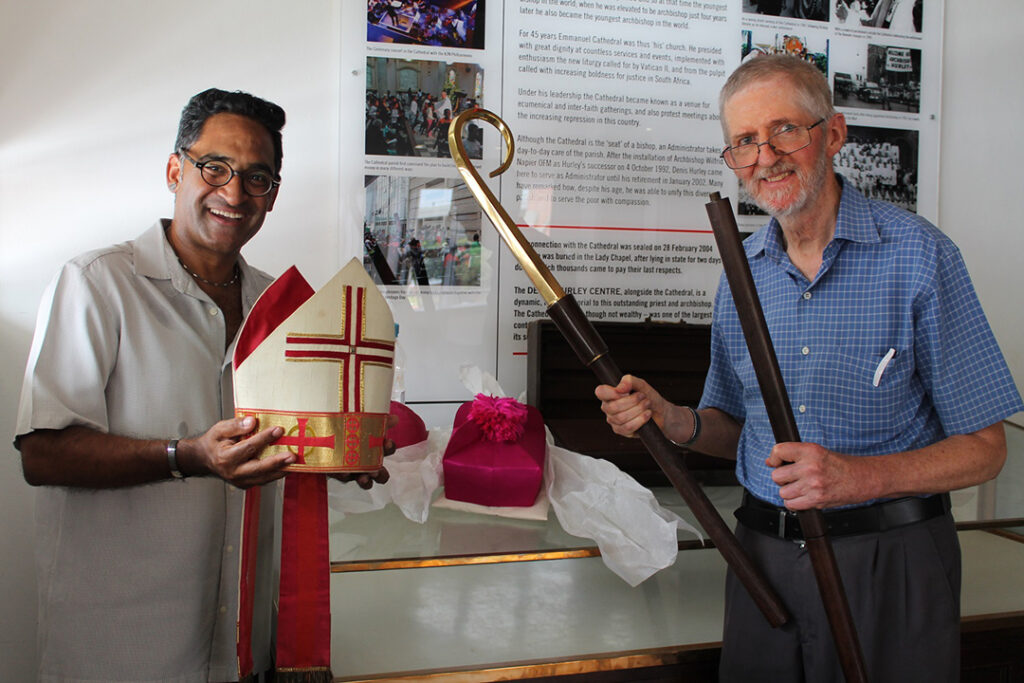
(256, 182)
(788, 140)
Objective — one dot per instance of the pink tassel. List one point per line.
(500, 419)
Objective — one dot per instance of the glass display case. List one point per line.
(490, 597)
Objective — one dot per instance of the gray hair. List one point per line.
(810, 88)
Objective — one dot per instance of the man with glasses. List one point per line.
(886, 353)
(122, 420)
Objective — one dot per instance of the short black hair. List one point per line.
(215, 101)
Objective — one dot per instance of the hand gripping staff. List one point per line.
(591, 350)
(780, 414)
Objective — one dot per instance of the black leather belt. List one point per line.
(783, 523)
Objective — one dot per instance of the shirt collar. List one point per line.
(854, 223)
(153, 255)
(155, 259)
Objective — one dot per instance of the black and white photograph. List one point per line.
(898, 16)
(880, 77)
(410, 105)
(881, 163)
(421, 230)
(440, 23)
(814, 10)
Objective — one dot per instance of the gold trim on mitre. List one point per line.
(325, 442)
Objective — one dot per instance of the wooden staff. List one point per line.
(780, 413)
(592, 352)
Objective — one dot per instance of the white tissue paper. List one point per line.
(415, 475)
(595, 499)
(591, 498)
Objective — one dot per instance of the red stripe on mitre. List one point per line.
(327, 341)
(382, 345)
(338, 341)
(347, 325)
(360, 296)
(278, 301)
(324, 355)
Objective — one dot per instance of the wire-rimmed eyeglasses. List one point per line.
(788, 140)
(255, 182)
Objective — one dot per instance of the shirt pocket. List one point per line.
(871, 390)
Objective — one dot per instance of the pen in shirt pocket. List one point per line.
(882, 365)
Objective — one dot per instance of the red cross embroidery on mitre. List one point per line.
(351, 349)
(302, 441)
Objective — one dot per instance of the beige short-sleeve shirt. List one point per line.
(137, 583)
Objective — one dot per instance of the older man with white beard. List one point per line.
(897, 384)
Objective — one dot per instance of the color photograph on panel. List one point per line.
(422, 230)
(411, 103)
(441, 23)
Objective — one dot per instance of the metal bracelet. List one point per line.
(172, 459)
(696, 429)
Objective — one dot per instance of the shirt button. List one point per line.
(805, 351)
(223, 609)
(229, 549)
(212, 310)
(802, 409)
(807, 295)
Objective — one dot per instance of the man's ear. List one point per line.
(173, 172)
(836, 134)
(272, 197)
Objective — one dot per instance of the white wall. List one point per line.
(90, 93)
(980, 187)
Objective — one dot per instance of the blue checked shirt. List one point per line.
(890, 284)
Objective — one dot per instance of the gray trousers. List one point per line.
(903, 587)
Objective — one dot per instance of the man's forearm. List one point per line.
(82, 457)
(811, 476)
(956, 462)
(719, 432)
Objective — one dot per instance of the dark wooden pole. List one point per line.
(593, 353)
(780, 413)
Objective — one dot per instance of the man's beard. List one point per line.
(774, 203)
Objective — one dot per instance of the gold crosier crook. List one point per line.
(593, 353)
(521, 248)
